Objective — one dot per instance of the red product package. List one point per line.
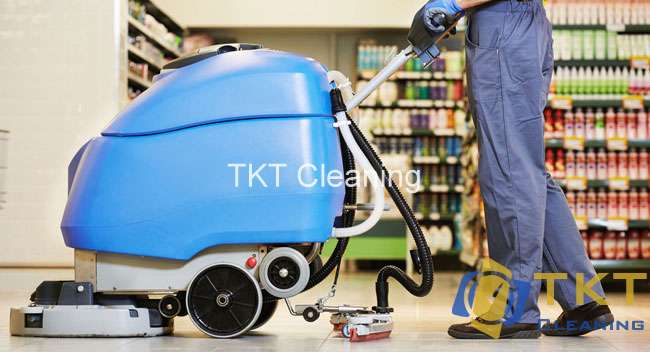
(549, 124)
(609, 245)
(559, 124)
(645, 245)
(596, 245)
(559, 164)
(621, 246)
(550, 162)
(634, 245)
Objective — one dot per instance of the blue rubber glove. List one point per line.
(434, 7)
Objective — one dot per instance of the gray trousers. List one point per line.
(530, 227)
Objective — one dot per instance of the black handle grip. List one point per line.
(424, 40)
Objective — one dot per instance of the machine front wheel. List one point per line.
(224, 301)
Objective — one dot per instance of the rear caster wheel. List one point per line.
(268, 308)
(345, 331)
(224, 301)
(170, 306)
(310, 314)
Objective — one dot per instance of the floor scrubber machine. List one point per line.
(203, 198)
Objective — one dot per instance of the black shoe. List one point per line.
(514, 331)
(579, 321)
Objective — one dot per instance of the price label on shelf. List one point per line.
(633, 102)
(434, 216)
(424, 103)
(574, 143)
(616, 27)
(582, 222)
(560, 102)
(439, 188)
(452, 160)
(617, 224)
(406, 103)
(419, 216)
(444, 132)
(426, 159)
(576, 183)
(640, 62)
(619, 183)
(617, 143)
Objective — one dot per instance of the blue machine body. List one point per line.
(233, 149)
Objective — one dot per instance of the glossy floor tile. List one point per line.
(420, 324)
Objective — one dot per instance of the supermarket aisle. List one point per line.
(420, 324)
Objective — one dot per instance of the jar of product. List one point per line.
(596, 245)
(609, 245)
(645, 245)
(634, 245)
(621, 245)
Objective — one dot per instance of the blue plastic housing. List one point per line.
(161, 180)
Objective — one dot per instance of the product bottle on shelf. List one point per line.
(612, 204)
(570, 164)
(601, 164)
(601, 210)
(621, 246)
(609, 245)
(633, 245)
(633, 208)
(591, 165)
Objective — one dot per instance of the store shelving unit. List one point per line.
(586, 102)
(559, 143)
(148, 49)
(613, 265)
(139, 55)
(419, 104)
(588, 63)
(619, 28)
(393, 229)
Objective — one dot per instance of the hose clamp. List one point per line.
(338, 124)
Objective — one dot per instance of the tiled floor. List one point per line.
(420, 324)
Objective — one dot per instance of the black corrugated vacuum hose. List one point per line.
(347, 218)
(423, 251)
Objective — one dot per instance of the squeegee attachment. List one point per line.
(362, 326)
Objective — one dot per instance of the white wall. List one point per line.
(59, 67)
(293, 13)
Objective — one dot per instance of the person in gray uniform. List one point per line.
(529, 225)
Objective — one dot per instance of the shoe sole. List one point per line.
(524, 334)
(600, 321)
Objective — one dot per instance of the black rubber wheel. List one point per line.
(268, 309)
(310, 314)
(170, 306)
(315, 265)
(182, 297)
(284, 273)
(224, 301)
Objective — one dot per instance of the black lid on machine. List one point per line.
(209, 51)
